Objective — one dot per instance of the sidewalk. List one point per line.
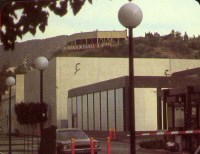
(140, 150)
(153, 151)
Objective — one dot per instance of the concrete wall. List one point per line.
(92, 70)
(19, 88)
(62, 75)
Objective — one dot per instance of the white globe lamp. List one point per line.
(41, 63)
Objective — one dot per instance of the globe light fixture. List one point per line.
(130, 16)
(41, 63)
(10, 81)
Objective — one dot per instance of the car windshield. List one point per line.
(65, 135)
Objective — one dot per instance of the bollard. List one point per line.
(110, 133)
(92, 145)
(114, 136)
(72, 145)
(108, 147)
(56, 149)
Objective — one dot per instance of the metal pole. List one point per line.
(10, 120)
(41, 99)
(131, 94)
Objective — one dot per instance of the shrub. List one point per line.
(157, 144)
(31, 113)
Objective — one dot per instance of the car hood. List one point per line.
(76, 141)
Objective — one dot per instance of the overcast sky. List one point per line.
(158, 16)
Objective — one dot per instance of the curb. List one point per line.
(158, 151)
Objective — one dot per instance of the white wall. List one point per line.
(60, 77)
(19, 88)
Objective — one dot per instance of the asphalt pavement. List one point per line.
(116, 147)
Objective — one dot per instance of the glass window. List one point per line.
(65, 135)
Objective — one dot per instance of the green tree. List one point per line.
(20, 70)
(178, 35)
(34, 15)
(185, 37)
(31, 113)
(195, 45)
(173, 33)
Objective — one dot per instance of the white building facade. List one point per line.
(65, 73)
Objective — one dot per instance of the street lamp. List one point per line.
(10, 81)
(130, 16)
(41, 63)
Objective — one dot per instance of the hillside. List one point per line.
(172, 45)
(31, 49)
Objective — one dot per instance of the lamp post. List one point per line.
(130, 16)
(41, 64)
(10, 81)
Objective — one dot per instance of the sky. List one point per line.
(158, 16)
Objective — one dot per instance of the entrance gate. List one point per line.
(180, 111)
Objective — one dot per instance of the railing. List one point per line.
(23, 144)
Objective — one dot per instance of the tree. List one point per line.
(173, 33)
(31, 113)
(185, 37)
(20, 70)
(34, 15)
(178, 35)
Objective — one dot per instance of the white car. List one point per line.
(81, 141)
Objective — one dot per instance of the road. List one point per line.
(18, 146)
(115, 147)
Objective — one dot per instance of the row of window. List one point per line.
(94, 41)
(97, 111)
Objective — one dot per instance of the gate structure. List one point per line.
(178, 102)
(178, 106)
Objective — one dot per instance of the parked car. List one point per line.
(81, 141)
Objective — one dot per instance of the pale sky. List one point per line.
(158, 16)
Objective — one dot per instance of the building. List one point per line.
(17, 95)
(105, 105)
(67, 73)
(99, 106)
(95, 39)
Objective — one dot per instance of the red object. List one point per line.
(110, 133)
(92, 145)
(0, 19)
(56, 148)
(114, 133)
(154, 133)
(72, 145)
(108, 148)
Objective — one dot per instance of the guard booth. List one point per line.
(178, 107)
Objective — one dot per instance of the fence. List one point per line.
(23, 144)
